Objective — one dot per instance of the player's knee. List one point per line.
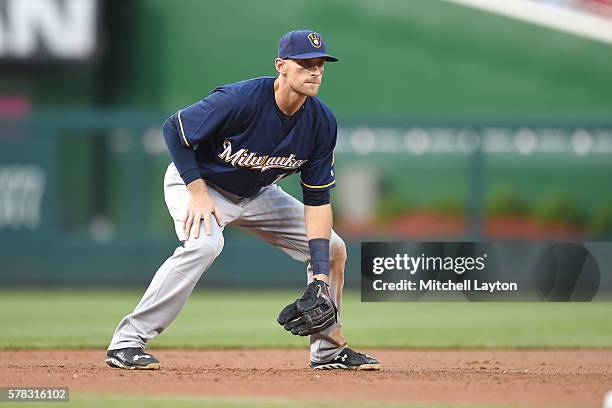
(207, 246)
(337, 249)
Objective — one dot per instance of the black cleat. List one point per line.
(131, 359)
(349, 360)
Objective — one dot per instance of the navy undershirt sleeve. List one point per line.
(316, 198)
(184, 158)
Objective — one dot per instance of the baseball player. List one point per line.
(228, 151)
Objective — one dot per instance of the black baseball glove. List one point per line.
(315, 311)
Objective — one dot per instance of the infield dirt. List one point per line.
(560, 378)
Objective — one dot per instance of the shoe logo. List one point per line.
(136, 357)
(344, 357)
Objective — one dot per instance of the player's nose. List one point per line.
(316, 71)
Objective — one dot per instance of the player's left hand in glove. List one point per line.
(315, 311)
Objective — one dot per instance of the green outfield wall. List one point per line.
(89, 150)
(81, 197)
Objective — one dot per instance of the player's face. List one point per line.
(304, 75)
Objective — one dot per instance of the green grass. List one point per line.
(86, 318)
(98, 401)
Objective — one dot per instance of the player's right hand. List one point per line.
(201, 206)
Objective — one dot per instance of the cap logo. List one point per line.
(315, 40)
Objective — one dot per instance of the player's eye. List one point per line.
(311, 63)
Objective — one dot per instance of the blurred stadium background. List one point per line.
(455, 123)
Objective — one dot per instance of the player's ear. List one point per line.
(280, 66)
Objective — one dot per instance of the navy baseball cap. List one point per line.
(303, 44)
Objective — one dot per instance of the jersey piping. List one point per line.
(182, 131)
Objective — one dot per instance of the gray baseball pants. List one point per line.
(272, 215)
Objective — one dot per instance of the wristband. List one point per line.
(319, 256)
